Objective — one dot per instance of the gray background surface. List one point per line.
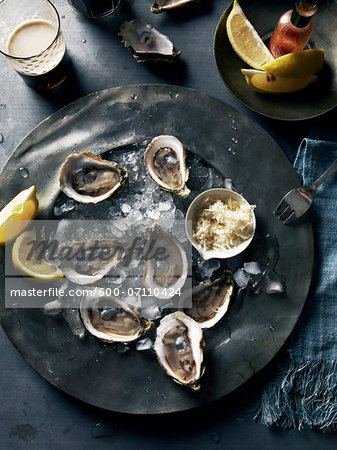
(34, 414)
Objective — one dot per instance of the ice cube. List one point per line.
(164, 206)
(153, 213)
(252, 267)
(228, 184)
(272, 284)
(151, 312)
(52, 308)
(125, 208)
(144, 344)
(74, 321)
(241, 278)
(207, 267)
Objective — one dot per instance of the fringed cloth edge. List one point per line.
(305, 397)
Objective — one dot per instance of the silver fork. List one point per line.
(297, 201)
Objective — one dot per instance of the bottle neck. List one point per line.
(302, 13)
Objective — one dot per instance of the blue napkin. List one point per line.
(305, 394)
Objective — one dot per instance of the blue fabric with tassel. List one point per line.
(305, 393)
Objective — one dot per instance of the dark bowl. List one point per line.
(310, 102)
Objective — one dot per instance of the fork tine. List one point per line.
(290, 218)
(286, 213)
(281, 207)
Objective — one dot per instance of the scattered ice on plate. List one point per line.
(164, 206)
(52, 308)
(228, 184)
(125, 208)
(151, 312)
(65, 207)
(207, 267)
(122, 348)
(252, 267)
(241, 278)
(144, 344)
(153, 213)
(72, 316)
(272, 284)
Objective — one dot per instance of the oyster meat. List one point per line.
(111, 319)
(210, 300)
(159, 6)
(88, 178)
(165, 164)
(88, 262)
(166, 273)
(146, 43)
(179, 348)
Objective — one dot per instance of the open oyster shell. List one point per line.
(166, 273)
(146, 43)
(164, 160)
(159, 6)
(210, 300)
(88, 262)
(88, 178)
(179, 348)
(110, 318)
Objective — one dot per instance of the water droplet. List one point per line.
(146, 402)
(23, 172)
(216, 438)
(234, 127)
(234, 140)
(1, 138)
(272, 328)
(84, 41)
(38, 164)
(19, 323)
(102, 430)
(177, 95)
(3, 106)
(233, 120)
(230, 115)
(164, 396)
(253, 340)
(147, 391)
(149, 378)
(231, 151)
(73, 149)
(134, 96)
(171, 95)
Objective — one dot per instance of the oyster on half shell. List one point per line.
(159, 6)
(179, 348)
(210, 300)
(88, 178)
(166, 273)
(164, 160)
(146, 43)
(88, 262)
(111, 319)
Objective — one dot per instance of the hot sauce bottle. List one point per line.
(293, 29)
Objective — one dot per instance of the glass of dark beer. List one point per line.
(32, 41)
(94, 9)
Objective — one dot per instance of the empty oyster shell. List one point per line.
(88, 178)
(110, 318)
(210, 300)
(165, 164)
(88, 262)
(179, 348)
(159, 6)
(146, 43)
(165, 274)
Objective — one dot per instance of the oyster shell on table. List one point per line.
(88, 178)
(159, 6)
(179, 348)
(110, 318)
(164, 160)
(88, 262)
(166, 273)
(146, 43)
(210, 300)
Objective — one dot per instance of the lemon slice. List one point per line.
(245, 40)
(16, 214)
(298, 64)
(32, 265)
(265, 82)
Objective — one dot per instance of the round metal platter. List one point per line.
(255, 328)
(313, 101)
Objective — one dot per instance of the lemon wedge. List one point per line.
(245, 40)
(298, 64)
(265, 82)
(32, 265)
(15, 215)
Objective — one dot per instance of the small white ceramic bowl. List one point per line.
(217, 194)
